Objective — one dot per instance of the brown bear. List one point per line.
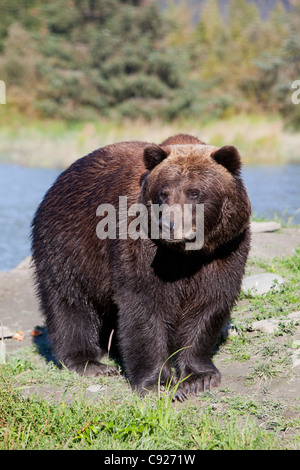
(159, 297)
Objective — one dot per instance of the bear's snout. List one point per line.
(166, 224)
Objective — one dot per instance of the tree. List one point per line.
(13, 11)
(107, 56)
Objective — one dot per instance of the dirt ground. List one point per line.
(19, 311)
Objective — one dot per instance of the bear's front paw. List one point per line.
(195, 384)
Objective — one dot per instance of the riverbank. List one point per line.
(260, 139)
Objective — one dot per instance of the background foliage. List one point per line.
(85, 59)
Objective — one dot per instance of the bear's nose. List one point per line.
(166, 224)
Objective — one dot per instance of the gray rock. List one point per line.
(266, 326)
(271, 324)
(259, 227)
(261, 283)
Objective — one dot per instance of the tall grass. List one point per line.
(260, 139)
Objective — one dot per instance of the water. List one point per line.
(272, 189)
(21, 190)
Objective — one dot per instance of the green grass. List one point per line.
(277, 303)
(284, 220)
(44, 407)
(116, 422)
(274, 304)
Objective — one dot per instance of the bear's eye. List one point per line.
(193, 194)
(164, 194)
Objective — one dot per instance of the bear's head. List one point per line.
(194, 193)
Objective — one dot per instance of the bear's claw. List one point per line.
(197, 384)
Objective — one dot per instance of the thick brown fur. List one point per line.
(158, 297)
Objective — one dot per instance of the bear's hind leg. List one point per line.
(74, 331)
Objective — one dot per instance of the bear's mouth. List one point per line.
(186, 241)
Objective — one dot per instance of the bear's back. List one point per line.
(99, 177)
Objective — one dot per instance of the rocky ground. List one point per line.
(19, 313)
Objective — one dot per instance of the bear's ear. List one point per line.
(153, 155)
(229, 157)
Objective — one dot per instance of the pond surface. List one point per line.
(272, 190)
(21, 190)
